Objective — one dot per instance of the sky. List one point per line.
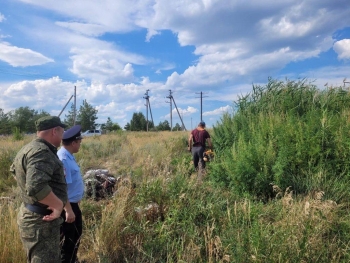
(204, 53)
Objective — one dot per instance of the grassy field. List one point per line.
(169, 217)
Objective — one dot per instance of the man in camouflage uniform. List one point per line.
(43, 192)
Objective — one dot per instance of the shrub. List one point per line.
(285, 133)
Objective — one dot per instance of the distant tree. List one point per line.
(110, 126)
(138, 122)
(116, 127)
(163, 126)
(69, 118)
(127, 127)
(87, 115)
(24, 119)
(177, 127)
(5, 124)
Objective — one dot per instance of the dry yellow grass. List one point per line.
(120, 153)
(10, 243)
(127, 151)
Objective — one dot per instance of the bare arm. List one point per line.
(190, 142)
(210, 143)
(70, 216)
(55, 204)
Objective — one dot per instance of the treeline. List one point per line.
(22, 120)
(139, 123)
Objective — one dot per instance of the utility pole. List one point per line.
(344, 81)
(65, 106)
(172, 99)
(75, 105)
(201, 103)
(148, 106)
(171, 110)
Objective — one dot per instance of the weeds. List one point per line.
(288, 133)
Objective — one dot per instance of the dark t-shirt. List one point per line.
(199, 137)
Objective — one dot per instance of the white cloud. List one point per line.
(183, 112)
(21, 57)
(330, 75)
(215, 69)
(103, 16)
(151, 33)
(84, 28)
(218, 111)
(166, 66)
(286, 31)
(104, 64)
(4, 36)
(112, 110)
(46, 94)
(2, 17)
(342, 48)
(292, 23)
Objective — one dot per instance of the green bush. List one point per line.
(17, 135)
(288, 134)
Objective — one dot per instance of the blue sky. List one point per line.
(114, 51)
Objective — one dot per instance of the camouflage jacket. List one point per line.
(38, 171)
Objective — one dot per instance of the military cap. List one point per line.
(72, 134)
(48, 122)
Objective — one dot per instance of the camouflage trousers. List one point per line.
(41, 239)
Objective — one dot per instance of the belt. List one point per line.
(38, 209)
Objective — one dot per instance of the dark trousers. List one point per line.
(70, 235)
(197, 154)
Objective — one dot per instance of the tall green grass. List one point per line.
(287, 134)
(201, 223)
